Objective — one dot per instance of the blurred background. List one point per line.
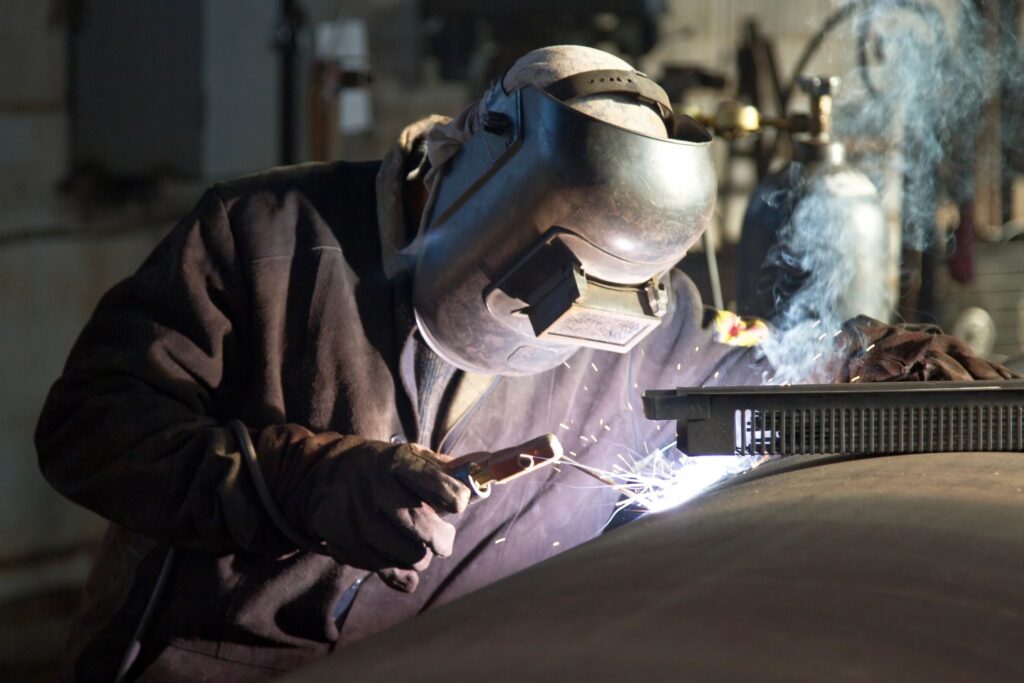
(115, 114)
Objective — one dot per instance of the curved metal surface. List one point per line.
(894, 568)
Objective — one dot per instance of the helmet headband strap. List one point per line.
(618, 82)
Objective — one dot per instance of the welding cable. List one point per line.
(831, 22)
(929, 13)
(303, 542)
(256, 474)
(849, 11)
(135, 646)
(249, 455)
(711, 255)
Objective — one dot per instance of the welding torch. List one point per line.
(480, 470)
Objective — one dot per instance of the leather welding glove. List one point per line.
(374, 505)
(878, 352)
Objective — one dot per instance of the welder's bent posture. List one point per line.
(314, 307)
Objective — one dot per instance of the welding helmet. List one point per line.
(552, 230)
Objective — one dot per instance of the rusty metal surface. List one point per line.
(897, 568)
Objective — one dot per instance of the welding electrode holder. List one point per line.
(479, 470)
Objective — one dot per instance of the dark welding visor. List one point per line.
(549, 288)
(552, 229)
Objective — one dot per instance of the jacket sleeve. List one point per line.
(133, 428)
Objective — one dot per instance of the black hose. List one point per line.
(927, 12)
(811, 47)
(853, 9)
(135, 646)
(249, 455)
(269, 506)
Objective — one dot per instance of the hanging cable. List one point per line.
(857, 9)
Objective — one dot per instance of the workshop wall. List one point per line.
(707, 31)
(33, 122)
(56, 260)
(44, 292)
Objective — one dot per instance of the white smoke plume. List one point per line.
(818, 244)
(928, 76)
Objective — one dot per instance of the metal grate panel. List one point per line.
(915, 429)
(910, 417)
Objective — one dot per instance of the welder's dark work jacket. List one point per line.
(269, 305)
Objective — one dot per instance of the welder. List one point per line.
(271, 398)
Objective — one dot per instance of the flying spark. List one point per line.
(666, 478)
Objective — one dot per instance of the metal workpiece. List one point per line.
(888, 568)
(844, 419)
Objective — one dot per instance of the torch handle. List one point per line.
(480, 470)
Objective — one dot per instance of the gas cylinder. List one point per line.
(815, 230)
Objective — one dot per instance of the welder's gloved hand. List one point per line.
(878, 352)
(374, 505)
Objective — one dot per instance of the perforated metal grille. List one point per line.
(862, 430)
